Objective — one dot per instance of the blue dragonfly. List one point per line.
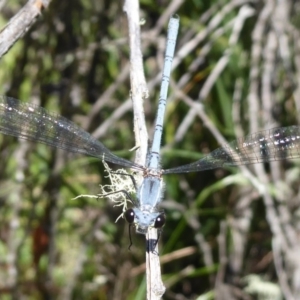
(34, 123)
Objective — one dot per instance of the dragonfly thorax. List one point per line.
(146, 214)
(150, 191)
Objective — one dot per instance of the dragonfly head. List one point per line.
(143, 219)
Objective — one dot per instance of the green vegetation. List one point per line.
(53, 247)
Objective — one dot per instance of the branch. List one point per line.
(139, 89)
(155, 287)
(20, 24)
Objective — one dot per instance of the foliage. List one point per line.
(226, 224)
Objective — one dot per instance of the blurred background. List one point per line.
(230, 233)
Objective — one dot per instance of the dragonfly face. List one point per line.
(143, 218)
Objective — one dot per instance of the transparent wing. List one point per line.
(265, 146)
(34, 123)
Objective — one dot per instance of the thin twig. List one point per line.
(20, 24)
(244, 13)
(139, 89)
(155, 287)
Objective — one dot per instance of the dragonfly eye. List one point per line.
(160, 221)
(129, 215)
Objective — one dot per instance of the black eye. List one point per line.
(160, 221)
(129, 215)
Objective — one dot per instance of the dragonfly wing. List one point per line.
(265, 146)
(35, 123)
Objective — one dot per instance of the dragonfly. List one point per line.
(34, 123)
